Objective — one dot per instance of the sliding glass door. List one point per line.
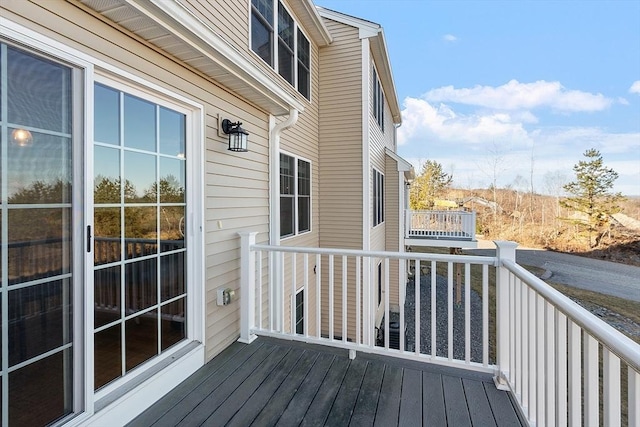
(39, 214)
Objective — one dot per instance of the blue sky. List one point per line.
(514, 89)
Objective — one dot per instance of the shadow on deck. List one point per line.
(277, 382)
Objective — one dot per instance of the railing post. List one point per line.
(247, 287)
(505, 250)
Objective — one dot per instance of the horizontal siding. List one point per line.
(341, 139)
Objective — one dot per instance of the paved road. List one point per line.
(606, 277)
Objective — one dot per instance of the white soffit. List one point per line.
(172, 28)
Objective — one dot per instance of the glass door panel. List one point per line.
(37, 229)
(139, 220)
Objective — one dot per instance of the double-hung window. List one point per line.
(278, 40)
(378, 101)
(295, 195)
(378, 197)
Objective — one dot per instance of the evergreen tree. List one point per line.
(428, 185)
(591, 196)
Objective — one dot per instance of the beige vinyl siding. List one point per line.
(341, 139)
(235, 184)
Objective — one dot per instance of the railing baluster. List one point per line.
(450, 310)
(259, 285)
(591, 389)
(524, 291)
(633, 398)
(305, 296)
(467, 312)
(575, 375)
(540, 354)
(516, 336)
(417, 286)
(532, 369)
(292, 298)
(344, 298)
(318, 272)
(386, 304)
(401, 297)
(433, 310)
(550, 365)
(611, 388)
(561, 368)
(358, 300)
(331, 297)
(485, 315)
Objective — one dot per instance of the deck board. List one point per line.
(364, 412)
(276, 382)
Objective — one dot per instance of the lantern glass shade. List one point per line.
(238, 137)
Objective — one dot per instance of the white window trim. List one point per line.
(378, 105)
(375, 174)
(139, 398)
(276, 63)
(296, 232)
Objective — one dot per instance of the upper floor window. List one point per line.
(295, 196)
(378, 197)
(288, 54)
(378, 101)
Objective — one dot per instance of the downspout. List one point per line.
(274, 211)
(274, 172)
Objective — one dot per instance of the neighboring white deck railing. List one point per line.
(536, 340)
(440, 224)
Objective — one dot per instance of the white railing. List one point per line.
(510, 324)
(562, 363)
(440, 224)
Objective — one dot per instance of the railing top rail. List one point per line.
(432, 211)
(380, 254)
(614, 340)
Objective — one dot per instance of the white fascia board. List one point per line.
(178, 20)
(403, 165)
(324, 36)
(367, 28)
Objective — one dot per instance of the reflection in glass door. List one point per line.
(139, 237)
(37, 271)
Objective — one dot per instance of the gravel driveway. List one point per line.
(606, 277)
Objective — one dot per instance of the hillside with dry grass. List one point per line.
(539, 221)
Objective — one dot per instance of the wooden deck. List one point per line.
(276, 382)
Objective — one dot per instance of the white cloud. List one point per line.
(635, 87)
(449, 38)
(425, 121)
(522, 96)
(465, 144)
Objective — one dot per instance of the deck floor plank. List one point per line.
(271, 390)
(297, 408)
(455, 402)
(434, 413)
(389, 403)
(342, 409)
(239, 397)
(275, 382)
(411, 398)
(166, 404)
(503, 410)
(215, 398)
(364, 412)
(212, 380)
(326, 395)
(478, 403)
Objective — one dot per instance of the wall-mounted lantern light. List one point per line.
(238, 137)
(21, 138)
